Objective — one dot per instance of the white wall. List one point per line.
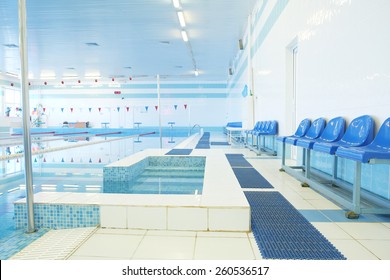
(203, 104)
(342, 64)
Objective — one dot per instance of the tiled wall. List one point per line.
(124, 173)
(57, 216)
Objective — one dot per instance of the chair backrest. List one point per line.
(316, 129)
(265, 127)
(261, 126)
(273, 128)
(360, 132)
(303, 127)
(382, 139)
(257, 125)
(334, 130)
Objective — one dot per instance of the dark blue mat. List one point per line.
(220, 143)
(202, 147)
(179, 152)
(237, 160)
(249, 177)
(204, 141)
(281, 232)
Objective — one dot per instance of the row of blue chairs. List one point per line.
(258, 134)
(264, 128)
(355, 142)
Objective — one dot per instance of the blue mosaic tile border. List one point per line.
(128, 173)
(124, 173)
(58, 216)
(177, 161)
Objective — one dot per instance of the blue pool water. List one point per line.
(160, 181)
(77, 169)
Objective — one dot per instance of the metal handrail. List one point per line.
(195, 125)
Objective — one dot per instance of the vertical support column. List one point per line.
(26, 116)
(356, 187)
(335, 166)
(159, 109)
(283, 154)
(308, 159)
(250, 103)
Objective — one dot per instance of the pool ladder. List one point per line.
(195, 125)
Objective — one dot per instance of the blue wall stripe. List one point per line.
(271, 20)
(135, 95)
(142, 86)
(240, 72)
(258, 15)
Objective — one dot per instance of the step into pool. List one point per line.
(156, 180)
(157, 175)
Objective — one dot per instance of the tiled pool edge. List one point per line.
(58, 216)
(207, 212)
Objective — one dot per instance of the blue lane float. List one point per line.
(281, 232)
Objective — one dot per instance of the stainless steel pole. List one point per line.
(26, 116)
(159, 109)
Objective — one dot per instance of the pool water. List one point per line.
(154, 180)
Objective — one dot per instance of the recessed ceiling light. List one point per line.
(176, 4)
(70, 68)
(181, 19)
(165, 42)
(92, 44)
(11, 46)
(178, 66)
(128, 67)
(184, 35)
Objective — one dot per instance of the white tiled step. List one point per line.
(55, 245)
(175, 218)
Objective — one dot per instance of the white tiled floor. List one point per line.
(167, 245)
(357, 240)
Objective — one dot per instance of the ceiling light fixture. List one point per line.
(92, 44)
(196, 72)
(11, 46)
(181, 19)
(184, 35)
(176, 4)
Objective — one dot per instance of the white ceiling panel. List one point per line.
(123, 38)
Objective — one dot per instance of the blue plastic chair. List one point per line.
(378, 149)
(257, 125)
(333, 132)
(262, 129)
(303, 127)
(360, 132)
(314, 131)
(272, 129)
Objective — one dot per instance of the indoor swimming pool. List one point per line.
(160, 181)
(74, 163)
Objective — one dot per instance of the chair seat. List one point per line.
(364, 154)
(329, 148)
(291, 140)
(305, 143)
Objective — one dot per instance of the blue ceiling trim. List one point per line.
(135, 95)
